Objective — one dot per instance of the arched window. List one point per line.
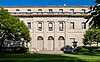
(50, 38)
(40, 38)
(61, 38)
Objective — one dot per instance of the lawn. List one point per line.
(48, 58)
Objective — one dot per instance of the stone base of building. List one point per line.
(48, 52)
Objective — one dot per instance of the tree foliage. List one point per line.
(12, 28)
(94, 18)
(93, 33)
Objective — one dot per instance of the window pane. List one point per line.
(60, 26)
(83, 10)
(60, 10)
(50, 26)
(39, 26)
(17, 9)
(40, 38)
(29, 25)
(72, 10)
(83, 25)
(71, 25)
(50, 10)
(39, 10)
(28, 9)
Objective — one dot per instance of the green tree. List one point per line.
(93, 33)
(91, 36)
(12, 28)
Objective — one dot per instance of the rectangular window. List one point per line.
(29, 25)
(28, 9)
(60, 10)
(61, 26)
(39, 10)
(6, 9)
(83, 10)
(71, 25)
(50, 26)
(83, 25)
(39, 26)
(17, 10)
(50, 10)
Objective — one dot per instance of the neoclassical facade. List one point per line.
(52, 27)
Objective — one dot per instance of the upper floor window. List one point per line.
(28, 9)
(50, 26)
(17, 10)
(83, 10)
(39, 10)
(60, 10)
(39, 26)
(29, 25)
(6, 9)
(72, 10)
(71, 25)
(61, 26)
(50, 10)
(83, 25)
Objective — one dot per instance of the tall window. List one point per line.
(39, 26)
(71, 25)
(83, 25)
(29, 25)
(50, 10)
(50, 26)
(72, 10)
(61, 26)
(60, 10)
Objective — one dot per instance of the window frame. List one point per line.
(50, 28)
(17, 9)
(29, 25)
(61, 28)
(28, 9)
(39, 28)
(83, 25)
(72, 25)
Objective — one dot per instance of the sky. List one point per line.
(47, 2)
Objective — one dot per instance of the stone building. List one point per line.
(52, 27)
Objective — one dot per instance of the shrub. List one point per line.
(67, 49)
(12, 50)
(89, 50)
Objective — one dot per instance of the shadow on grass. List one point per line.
(38, 58)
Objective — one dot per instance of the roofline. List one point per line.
(45, 6)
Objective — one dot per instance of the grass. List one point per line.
(48, 58)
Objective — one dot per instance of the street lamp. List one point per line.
(74, 44)
(22, 40)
